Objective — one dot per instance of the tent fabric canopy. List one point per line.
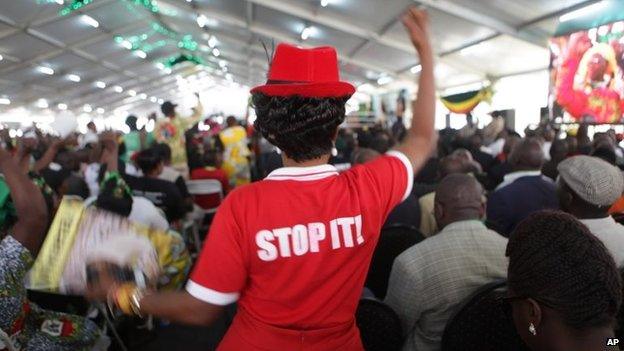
(122, 62)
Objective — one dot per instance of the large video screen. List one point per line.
(587, 74)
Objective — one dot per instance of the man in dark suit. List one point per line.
(523, 191)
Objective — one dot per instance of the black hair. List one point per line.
(148, 160)
(605, 153)
(163, 150)
(131, 122)
(558, 148)
(302, 127)
(114, 200)
(556, 260)
(167, 108)
(77, 186)
(382, 141)
(210, 157)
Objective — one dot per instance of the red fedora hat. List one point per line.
(305, 72)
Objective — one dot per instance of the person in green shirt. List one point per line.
(135, 140)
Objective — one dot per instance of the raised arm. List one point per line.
(421, 137)
(48, 156)
(198, 114)
(110, 157)
(30, 207)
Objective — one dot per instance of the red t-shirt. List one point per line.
(295, 248)
(210, 201)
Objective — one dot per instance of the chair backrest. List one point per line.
(392, 242)
(482, 323)
(204, 187)
(380, 327)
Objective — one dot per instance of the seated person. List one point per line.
(432, 277)
(587, 188)
(213, 160)
(451, 164)
(564, 287)
(171, 174)
(523, 191)
(116, 197)
(165, 195)
(498, 172)
(23, 324)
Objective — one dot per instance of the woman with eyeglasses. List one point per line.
(564, 287)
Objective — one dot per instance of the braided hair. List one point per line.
(554, 259)
(302, 127)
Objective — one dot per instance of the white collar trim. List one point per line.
(512, 177)
(303, 173)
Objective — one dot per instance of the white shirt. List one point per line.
(611, 234)
(169, 174)
(431, 279)
(513, 176)
(497, 147)
(143, 212)
(91, 178)
(546, 150)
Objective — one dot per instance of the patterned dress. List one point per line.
(27, 326)
(171, 131)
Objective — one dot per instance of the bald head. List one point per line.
(452, 164)
(527, 155)
(458, 197)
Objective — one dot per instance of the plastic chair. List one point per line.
(380, 327)
(481, 323)
(205, 187)
(393, 241)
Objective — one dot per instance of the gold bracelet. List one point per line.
(123, 298)
(135, 301)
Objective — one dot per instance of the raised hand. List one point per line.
(109, 140)
(416, 22)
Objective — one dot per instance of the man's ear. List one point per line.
(438, 212)
(482, 209)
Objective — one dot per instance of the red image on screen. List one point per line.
(587, 72)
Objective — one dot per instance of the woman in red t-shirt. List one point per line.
(293, 250)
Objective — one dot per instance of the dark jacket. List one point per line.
(509, 205)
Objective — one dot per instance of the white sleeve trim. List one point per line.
(410, 171)
(211, 296)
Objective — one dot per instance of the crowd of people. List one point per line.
(303, 207)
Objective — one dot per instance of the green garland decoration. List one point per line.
(178, 59)
(145, 42)
(78, 4)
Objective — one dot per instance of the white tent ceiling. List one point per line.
(474, 40)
